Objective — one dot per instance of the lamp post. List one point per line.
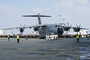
(63, 20)
(60, 17)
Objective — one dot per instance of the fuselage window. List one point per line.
(57, 26)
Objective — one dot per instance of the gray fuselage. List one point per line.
(50, 29)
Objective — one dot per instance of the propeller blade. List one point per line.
(79, 25)
(24, 25)
(64, 24)
(69, 31)
(68, 24)
(20, 25)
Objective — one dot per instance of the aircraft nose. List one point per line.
(60, 30)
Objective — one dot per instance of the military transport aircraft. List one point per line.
(48, 28)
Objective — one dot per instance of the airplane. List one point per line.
(44, 29)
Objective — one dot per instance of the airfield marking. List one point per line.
(4, 52)
(25, 49)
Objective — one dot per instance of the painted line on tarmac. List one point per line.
(66, 58)
(25, 49)
(17, 49)
(58, 49)
(4, 52)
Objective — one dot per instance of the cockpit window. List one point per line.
(55, 25)
(62, 23)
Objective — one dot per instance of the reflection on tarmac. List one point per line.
(36, 49)
(85, 51)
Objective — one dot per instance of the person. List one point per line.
(77, 37)
(18, 38)
(8, 37)
(87, 37)
(26, 37)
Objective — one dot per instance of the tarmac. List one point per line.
(41, 49)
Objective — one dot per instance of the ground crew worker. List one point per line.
(8, 37)
(26, 37)
(87, 37)
(18, 38)
(77, 37)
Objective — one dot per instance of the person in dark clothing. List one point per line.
(18, 38)
(77, 38)
(26, 37)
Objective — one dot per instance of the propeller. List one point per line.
(36, 28)
(78, 28)
(22, 28)
(67, 27)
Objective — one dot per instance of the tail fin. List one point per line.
(39, 17)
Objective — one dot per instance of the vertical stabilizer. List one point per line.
(39, 17)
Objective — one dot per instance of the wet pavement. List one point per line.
(41, 49)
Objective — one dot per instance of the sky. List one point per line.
(76, 12)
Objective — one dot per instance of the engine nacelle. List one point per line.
(67, 28)
(76, 29)
(36, 28)
(21, 30)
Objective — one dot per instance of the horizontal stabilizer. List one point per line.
(39, 17)
(36, 16)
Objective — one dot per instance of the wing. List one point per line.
(24, 27)
(80, 28)
(10, 28)
(36, 26)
